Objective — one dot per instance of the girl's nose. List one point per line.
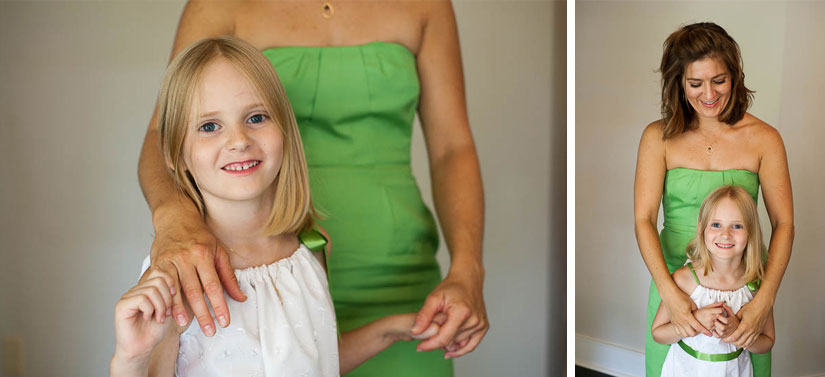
(709, 92)
(238, 140)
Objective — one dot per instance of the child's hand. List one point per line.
(402, 324)
(725, 324)
(141, 316)
(707, 314)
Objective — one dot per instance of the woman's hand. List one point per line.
(752, 316)
(461, 300)
(185, 249)
(680, 309)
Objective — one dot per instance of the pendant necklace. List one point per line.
(327, 11)
(709, 144)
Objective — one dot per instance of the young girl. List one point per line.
(230, 140)
(727, 252)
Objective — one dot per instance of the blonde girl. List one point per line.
(230, 140)
(722, 274)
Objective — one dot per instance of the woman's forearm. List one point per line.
(651, 250)
(459, 202)
(778, 256)
(156, 183)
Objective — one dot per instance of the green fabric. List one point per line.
(355, 107)
(682, 194)
(709, 356)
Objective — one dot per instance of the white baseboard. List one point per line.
(609, 358)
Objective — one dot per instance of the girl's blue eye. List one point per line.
(208, 127)
(257, 118)
(714, 225)
(738, 226)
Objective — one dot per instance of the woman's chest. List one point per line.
(299, 23)
(696, 151)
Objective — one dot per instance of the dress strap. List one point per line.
(313, 239)
(692, 271)
(753, 286)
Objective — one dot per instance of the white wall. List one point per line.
(79, 81)
(618, 50)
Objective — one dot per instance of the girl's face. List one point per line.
(232, 147)
(725, 235)
(707, 87)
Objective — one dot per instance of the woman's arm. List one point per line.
(184, 247)
(456, 186)
(647, 193)
(776, 191)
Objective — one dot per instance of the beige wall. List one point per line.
(79, 80)
(618, 49)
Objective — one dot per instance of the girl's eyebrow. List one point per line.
(246, 109)
(712, 78)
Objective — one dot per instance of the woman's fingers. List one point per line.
(468, 345)
(226, 274)
(190, 284)
(455, 318)
(214, 291)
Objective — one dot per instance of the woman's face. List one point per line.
(707, 87)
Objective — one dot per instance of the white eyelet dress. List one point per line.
(286, 327)
(680, 363)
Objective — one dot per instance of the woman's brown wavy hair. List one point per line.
(687, 45)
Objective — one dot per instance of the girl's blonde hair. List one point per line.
(292, 210)
(698, 252)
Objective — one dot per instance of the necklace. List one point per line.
(709, 144)
(327, 11)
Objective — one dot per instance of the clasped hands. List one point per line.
(740, 329)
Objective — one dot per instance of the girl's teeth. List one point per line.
(244, 166)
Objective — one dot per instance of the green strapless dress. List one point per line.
(355, 107)
(683, 192)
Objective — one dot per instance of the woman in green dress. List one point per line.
(355, 74)
(706, 139)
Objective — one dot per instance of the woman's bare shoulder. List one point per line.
(654, 132)
(761, 132)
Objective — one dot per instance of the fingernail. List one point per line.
(172, 290)
(180, 319)
(222, 321)
(168, 312)
(208, 330)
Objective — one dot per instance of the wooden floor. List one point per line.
(584, 372)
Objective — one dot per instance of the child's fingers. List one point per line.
(429, 332)
(425, 316)
(722, 319)
(154, 297)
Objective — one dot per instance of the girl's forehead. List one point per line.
(726, 209)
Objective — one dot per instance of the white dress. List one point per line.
(286, 327)
(680, 363)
